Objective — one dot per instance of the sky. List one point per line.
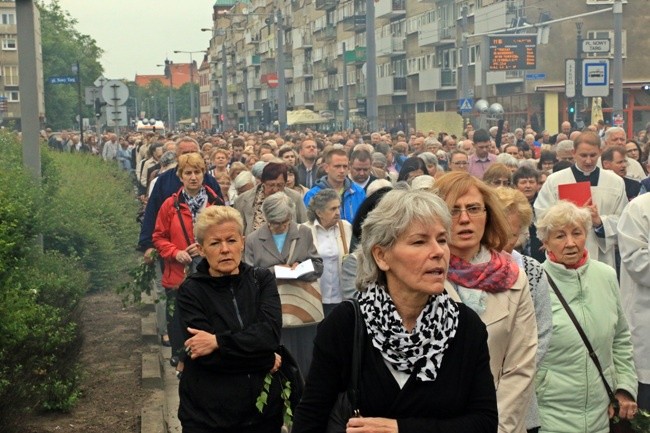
(137, 35)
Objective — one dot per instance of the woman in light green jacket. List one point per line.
(571, 395)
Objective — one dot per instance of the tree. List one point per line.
(63, 46)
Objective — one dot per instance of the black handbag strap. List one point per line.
(180, 218)
(357, 355)
(585, 340)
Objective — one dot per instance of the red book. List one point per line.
(578, 193)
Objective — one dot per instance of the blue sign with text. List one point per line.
(536, 76)
(62, 80)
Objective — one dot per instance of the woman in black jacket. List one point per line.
(425, 361)
(230, 313)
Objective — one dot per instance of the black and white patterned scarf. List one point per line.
(195, 203)
(421, 350)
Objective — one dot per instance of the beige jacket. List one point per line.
(245, 202)
(512, 339)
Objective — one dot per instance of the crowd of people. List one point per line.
(464, 254)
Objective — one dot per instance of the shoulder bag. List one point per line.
(622, 425)
(189, 268)
(302, 303)
(347, 403)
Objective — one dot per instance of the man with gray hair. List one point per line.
(616, 136)
(564, 151)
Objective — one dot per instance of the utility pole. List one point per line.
(224, 85)
(282, 90)
(464, 58)
(372, 111)
(617, 70)
(578, 99)
(77, 70)
(346, 96)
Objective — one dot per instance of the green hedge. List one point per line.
(93, 217)
(85, 210)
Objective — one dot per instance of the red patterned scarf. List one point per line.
(497, 275)
(580, 262)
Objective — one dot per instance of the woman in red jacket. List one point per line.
(173, 237)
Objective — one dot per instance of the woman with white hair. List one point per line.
(425, 357)
(570, 389)
(332, 237)
(282, 242)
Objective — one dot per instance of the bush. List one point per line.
(93, 217)
(40, 337)
(85, 209)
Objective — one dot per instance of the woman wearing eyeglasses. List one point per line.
(489, 281)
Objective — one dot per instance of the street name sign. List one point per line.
(570, 78)
(62, 80)
(595, 45)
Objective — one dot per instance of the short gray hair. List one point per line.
(278, 208)
(394, 214)
(507, 159)
(319, 202)
(564, 145)
(428, 158)
(560, 215)
(612, 130)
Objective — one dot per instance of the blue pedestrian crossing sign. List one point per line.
(465, 105)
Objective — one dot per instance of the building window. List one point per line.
(13, 96)
(10, 74)
(9, 19)
(8, 43)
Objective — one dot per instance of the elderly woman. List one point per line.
(230, 313)
(293, 181)
(219, 158)
(570, 392)
(498, 175)
(490, 282)
(282, 242)
(332, 237)
(273, 179)
(425, 358)
(520, 214)
(174, 239)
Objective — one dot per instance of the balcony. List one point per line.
(356, 22)
(326, 5)
(361, 89)
(302, 98)
(391, 46)
(436, 34)
(308, 70)
(251, 38)
(232, 88)
(390, 8)
(391, 86)
(327, 33)
(330, 66)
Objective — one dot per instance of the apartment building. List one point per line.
(418, 52)
(9, 73)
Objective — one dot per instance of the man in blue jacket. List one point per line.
(352, 195)
(167, 184)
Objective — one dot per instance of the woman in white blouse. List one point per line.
(332, 240)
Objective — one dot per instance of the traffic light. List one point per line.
(98, 107)
(571, 109)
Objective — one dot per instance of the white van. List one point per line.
(157, 126)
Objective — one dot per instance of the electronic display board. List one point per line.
(509, 52)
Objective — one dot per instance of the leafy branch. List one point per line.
(640, 423)
(285, 393)
(140, 282)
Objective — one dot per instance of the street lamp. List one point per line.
(170, 103)
(77, 71)
(192, 105)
